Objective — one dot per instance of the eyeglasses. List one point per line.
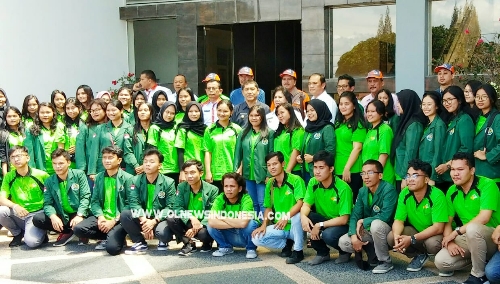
(369, 173)
(449, 101)
(19, 156)
(413, 176)
(212, 88)
(482, 98)
(342, 86)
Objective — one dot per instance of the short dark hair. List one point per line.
(321, 77)
(324, 156)
(193, 162)
(154, 151)
(181, 75)
(149, 74)
(351, 82)
(238, 178)
(375, 163)
(17, 147)
(113, 150)
(251, 82)
(281, 157)
(60, 152)
(469, 159)
(420, 165)
(211, 81)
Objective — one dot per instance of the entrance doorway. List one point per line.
(268, 48)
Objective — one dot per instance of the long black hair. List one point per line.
(24, 112)
(68, 121)
(293, 122)
(357, 117)
(90, 96)
(20, 127)
(37, 125)
(138, 127)
(458, 93)
(100, 102)
(264, 129)
(389, 108)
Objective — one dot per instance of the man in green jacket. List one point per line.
(66, 199)
(194, 199)
(421, 214)
(371, 217)
(21, 198)
(109, 198)
(151, 197)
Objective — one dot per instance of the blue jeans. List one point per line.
(493, 268)
(276, 239)
(256, 191)
(228, 238)
(307, 177)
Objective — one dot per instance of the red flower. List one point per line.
(479, 42)
(114, 82)
(130, 74)
(466, 31)
(112, 93)
(460, 65)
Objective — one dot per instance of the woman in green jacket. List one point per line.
(84, 96)
(487, 139)
(219, 142)
(125, 97)
(58, 100)
(432, 141)
(29, 111)
(134, 148)
(460, 131)
(12, 135)
(184, 96)
(350, 133)
(408, 134)
(391, 117)
(252, 146)
(378, 141)
(44, 136)
(72, 123)
(319, 135)
(162, 136)
(289, 137)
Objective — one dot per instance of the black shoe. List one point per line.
(206, 247)
(476, 280)
(17, 240)
(296, 257)
(287, 250)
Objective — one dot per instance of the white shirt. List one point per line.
(209, 112)
(273, 121)
(368, 98)
(171, 97)
(330, 102)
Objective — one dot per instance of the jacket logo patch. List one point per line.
(452, 131)
(372, 138)
(429, 137)
(75, 186)
(161, 194)
(376, 209)
(200, 199)
(264, 141)
(426, 206)
(132, 187)
(334, 199)
(490, 131)
(317, 135)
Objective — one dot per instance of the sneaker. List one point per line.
(162, 246)
(222, 251)
(206, 247)
(476, 280)
(383, 267)
(101, 245)
(137, 248)
(83, 241)
(187, 249)
(319, 259)
(287, 250)
(417, 262)
(343, 258)
(446, 273)
(53, 233)
(17, 240)
(9, 234)
(63, 239)
(251, 254)
(296, 257)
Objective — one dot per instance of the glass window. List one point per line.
(361, 39)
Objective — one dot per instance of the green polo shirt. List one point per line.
(332, 201)
(286, 142)
(345, 138)
(27, 191)
(51, 139)
(283, 198)
(220, 142)
(178, 117)
(432, 209)
(64, 197)
(379, 141)
(196, 203)
(151, 195)
(16, 139)
(192, 145)
(483, 195)
(222, 206)
(109, 208)
(164, 141)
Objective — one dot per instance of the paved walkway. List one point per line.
(83, 264)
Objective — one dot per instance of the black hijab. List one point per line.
(159, 117)
(412, 112)
(323, 113)
(198, 126)
(155, 99)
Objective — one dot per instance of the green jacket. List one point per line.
(383, 206)
(123, 182)
(243, 151)
(84, 146)
(314, 142)
(408, 148)
(36, 149)
(78, 191)
(163, 200)
(105, 137)
(181, 203)
(491, 166)
(133, 151)
(431, 144)
(459, 138)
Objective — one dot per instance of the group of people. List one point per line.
(389, 171)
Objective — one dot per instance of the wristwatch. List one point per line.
(117, 219)
(457, 229)
(413, 240)
(321, 226)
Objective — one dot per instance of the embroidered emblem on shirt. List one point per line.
(376, 209)
(429, 137)
(452, 131)
(317, 135)
(474, 196)
(161, 194)
(288, 192)
(372, 138)
(75, 186)
(200, 199)
(426, 206)
(334, 198)
(264, 141)
(490, 131)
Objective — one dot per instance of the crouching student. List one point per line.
(332, 201)
(194, 198)
(371, 218)
(421, 215)
(21, 198)
(109, 198)
(232, 219)
(283, 196)
(66, 199)
(151, 197)
(493, 267)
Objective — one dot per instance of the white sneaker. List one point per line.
(101, 245)
(251, 254)
(222, 251)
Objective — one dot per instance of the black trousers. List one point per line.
(355, 184)
(134, 229)
(179, 229)
(42, 221)
(115, 237)
(218, 184)
(329, 236)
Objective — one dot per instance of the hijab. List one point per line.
(323, 113)
(155, 99)
(412, 112)
(197, 126)
(159, 117)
